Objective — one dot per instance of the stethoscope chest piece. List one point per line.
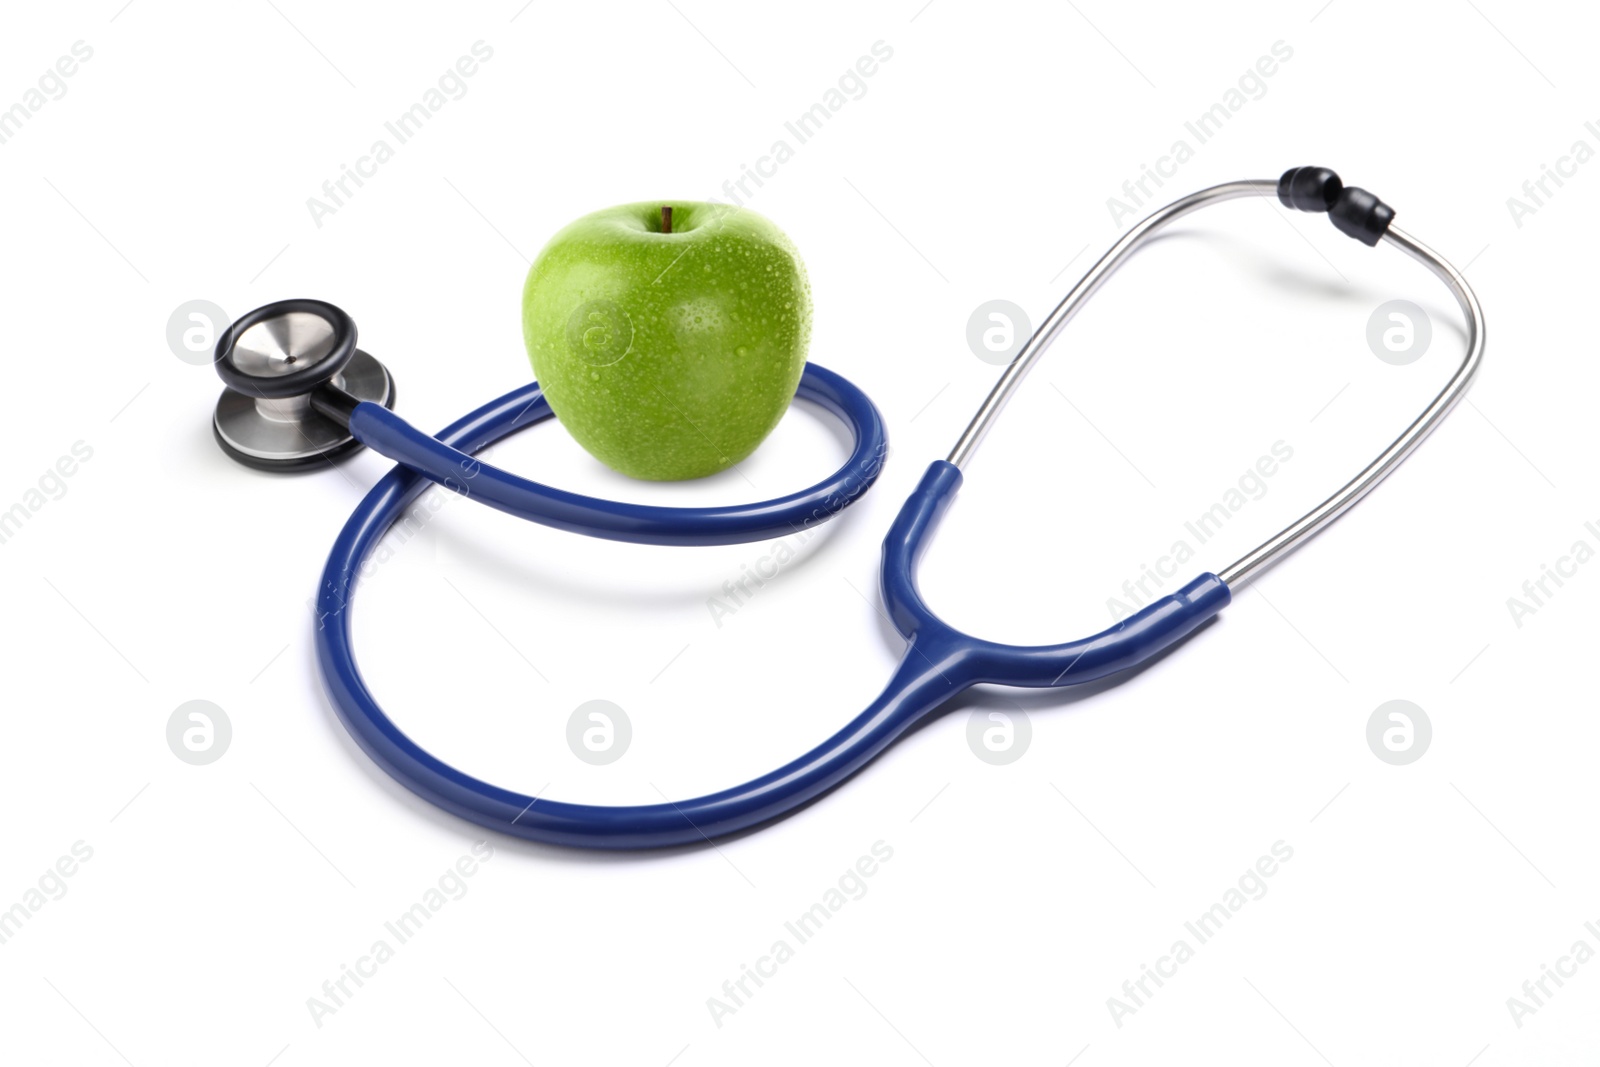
(293, 373)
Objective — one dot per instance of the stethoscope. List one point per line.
(300, 394)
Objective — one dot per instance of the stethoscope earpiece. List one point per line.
(293, 375)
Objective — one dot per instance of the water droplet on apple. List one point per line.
(741, 351)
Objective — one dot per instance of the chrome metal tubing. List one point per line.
(1292, 536)
(1305, 527)
(1045, 335)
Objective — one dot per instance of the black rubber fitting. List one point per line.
(304, 377)
(331, 402)
(1309, 188)
(1361, 215)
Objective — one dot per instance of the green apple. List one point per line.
(669, 343)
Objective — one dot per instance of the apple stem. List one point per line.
(666, 220)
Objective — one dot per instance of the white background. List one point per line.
(977, 166)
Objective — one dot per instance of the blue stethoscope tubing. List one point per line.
(444, 462)
(938, 661)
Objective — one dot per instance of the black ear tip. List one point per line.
(1353, 211)
(1361, 215)
(1309, 188)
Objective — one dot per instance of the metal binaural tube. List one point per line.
(1302, 529)
(1042, 338)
